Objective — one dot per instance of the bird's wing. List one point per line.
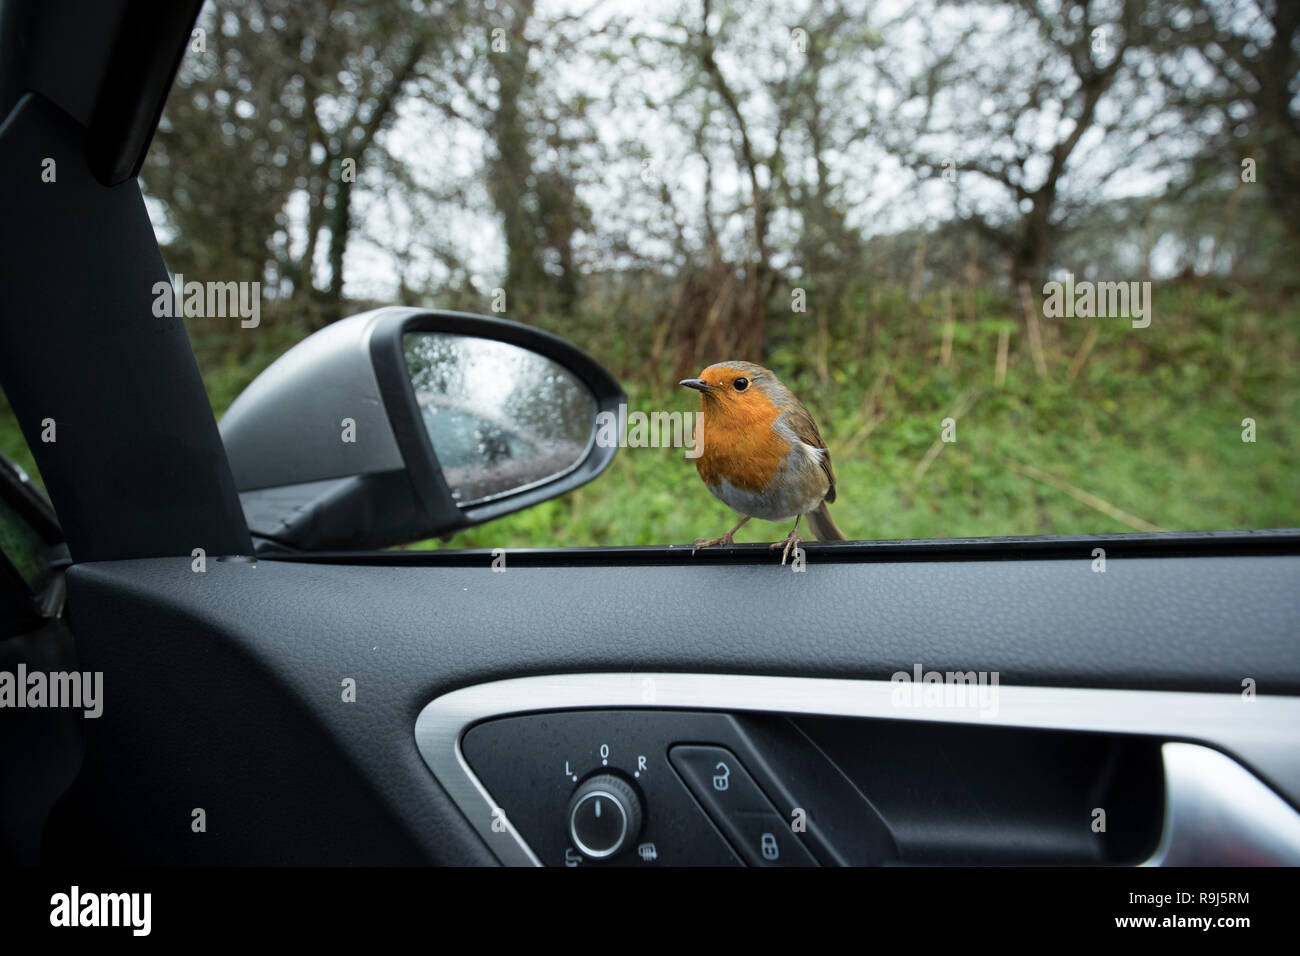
(806, 430)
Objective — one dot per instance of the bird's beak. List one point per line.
(696, 383)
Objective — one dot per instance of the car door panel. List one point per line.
(219, 679)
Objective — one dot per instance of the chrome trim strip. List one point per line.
(1218, 813)
(1226, 721)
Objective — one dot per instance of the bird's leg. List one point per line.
(725, 540)
(791, 541)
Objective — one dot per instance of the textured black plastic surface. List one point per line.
(975, 795)
(224, 687)
(137, 467)
(40, 747)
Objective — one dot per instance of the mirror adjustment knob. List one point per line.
(604, 816)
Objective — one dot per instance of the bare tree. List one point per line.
(1040, 101)
(1236, 79)
(292, 97)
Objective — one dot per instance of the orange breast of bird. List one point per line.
(740, 445)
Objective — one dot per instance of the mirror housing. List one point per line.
(305, 487)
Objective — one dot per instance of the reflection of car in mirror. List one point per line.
(500, 418)
(461, 437)
(482, 458)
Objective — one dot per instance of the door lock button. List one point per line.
(739, 808)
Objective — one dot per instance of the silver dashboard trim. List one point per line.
(1218, 813)
(1233, 723)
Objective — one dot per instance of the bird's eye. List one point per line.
(741, 384)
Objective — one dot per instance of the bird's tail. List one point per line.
(822, 525)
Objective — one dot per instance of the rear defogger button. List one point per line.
(738, 807)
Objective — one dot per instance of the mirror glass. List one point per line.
(500, 418)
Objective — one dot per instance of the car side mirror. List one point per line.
(402, 424)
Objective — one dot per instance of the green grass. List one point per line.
(1150, 428)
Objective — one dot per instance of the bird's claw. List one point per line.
(726, 540)
(792, 540)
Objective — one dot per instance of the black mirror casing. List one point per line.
(304, 488)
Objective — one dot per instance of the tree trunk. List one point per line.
(340, 224)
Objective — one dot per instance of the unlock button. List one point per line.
(715, 775)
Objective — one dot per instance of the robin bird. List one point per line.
(761, 454)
